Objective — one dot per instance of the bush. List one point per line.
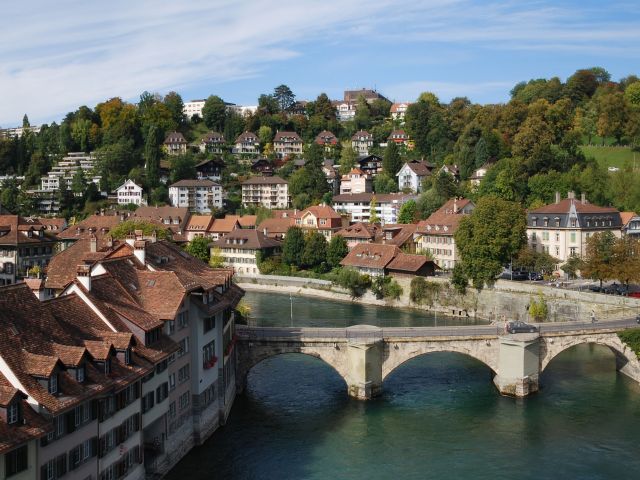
(422, 291)
(386, 287)
(632, 338)
(538, 309)
(354, 282)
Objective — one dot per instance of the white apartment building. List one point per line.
(562, 229)
(398, 110)
(194, 107)
(247, 143)
(412, 174)
(358, 206)
(200, 196)
(269, 192)
(129, 192)
(67, 168)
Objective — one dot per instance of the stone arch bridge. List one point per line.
(364, 355)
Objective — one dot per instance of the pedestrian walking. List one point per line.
(593, 316)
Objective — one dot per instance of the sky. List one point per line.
(57, 56)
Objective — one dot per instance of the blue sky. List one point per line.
(56, 56)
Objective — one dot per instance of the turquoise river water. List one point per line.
(440, 417)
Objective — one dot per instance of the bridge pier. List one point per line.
(518, 365)
(364, 362)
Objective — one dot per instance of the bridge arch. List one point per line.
(626, 359)
(486, 352)
(328, 353)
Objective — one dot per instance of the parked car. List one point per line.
(517, 326)
(615, 289)
(535, 276)
(595, 288)
(635, 294)
(516, 275)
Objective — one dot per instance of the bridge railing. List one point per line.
(329, 333)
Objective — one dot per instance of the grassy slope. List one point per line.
(611, 156)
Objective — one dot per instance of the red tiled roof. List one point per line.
(246, 239)
(407, 263)
(564, 206)
(225, 225)
(199, 223)
(287, 137)
(360, 230)
(444, 217)
(370, 255)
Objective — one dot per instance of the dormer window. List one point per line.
(127, 356)
(53, 384)
(107, 366)
(13, 413)
(80, 373)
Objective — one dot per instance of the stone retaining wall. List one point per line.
(505, 300)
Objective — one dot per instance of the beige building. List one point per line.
(175, 144)
(361, 142)
(356, 181)
(247, 144)
(239, 249)
(562, 229)
(269, 192)
(287, 143)
(435, 235)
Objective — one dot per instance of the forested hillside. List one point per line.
(533, 141)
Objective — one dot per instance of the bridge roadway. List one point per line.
(363, 355)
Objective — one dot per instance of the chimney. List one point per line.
(83, 274)
(109, 241)
(557, 197)
(583, 198)
(264, 231)
(571, 194)
(139, 250)
(93, 243)
(138, 234)
(130, 239)
(455, 204)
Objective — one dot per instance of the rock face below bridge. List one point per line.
(363, 357)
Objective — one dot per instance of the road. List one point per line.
(256, 333)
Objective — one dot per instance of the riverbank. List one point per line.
(505, 300)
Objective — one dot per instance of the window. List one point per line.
(16, 461)
(107, 366)
(172, 409)
(77, 413)
(13, 413)
(171, 327)
(162, 392)
(573, 237)
(184, 346)
(148, 400)
(172, 381)
(183, 374)
(208, 355)
(209, 323)
(557, 236)
(80, 373)
(184, 400)
(60, 425)
(53, 384)
(162, 366)
(86, 449)
(573, 222)
(183, 319)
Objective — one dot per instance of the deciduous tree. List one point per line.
(336, 250)
(293, 247)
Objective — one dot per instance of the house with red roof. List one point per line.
(562, 229)
(435, 235)
(321, 218)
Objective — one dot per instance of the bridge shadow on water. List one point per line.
(439, 417)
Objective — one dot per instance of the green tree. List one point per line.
(315, 250)
(284, 96)
(129, 226)
(626, 260)
(599, 257)
(632, 94)
(391, 163)
(182, 167)
(216, 259)
(265, 134)
(214, 113)
(373, 209)
(78, 182)
(152, 156)
(199, 248)
(354, 282)
(174, 103)
(25, 121)
(383, 183)
(489, 238)
(336, 250)
(408, 212)
(9, 192)
(293, 247)
(362, 118)
(348, 159)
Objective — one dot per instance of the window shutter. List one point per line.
(94, 409)
(70, 421)
(103, 446)
(94, 446)
(61, 465)
(43, 472)
(137, 422)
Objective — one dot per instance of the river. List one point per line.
(439, 417)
